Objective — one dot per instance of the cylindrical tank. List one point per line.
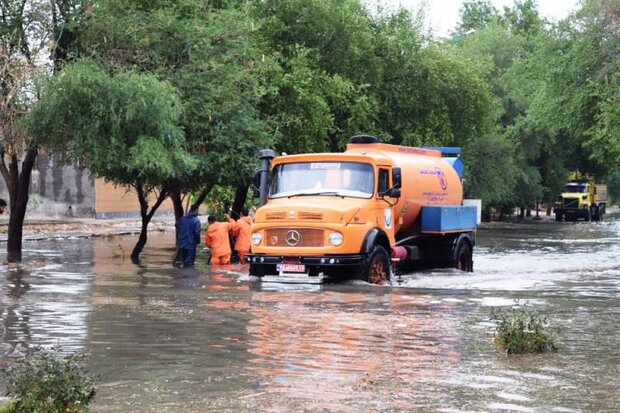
(427, 179)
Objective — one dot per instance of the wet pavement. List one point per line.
(208, 339)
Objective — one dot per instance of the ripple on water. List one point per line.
(167, 340)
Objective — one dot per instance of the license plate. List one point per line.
(291, 267)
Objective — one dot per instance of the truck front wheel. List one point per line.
(377, 269)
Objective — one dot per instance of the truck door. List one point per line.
(385, 216)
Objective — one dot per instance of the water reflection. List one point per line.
(337, 343)
(46, 301)
(209, 339)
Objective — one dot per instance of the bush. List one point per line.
(521, 329)
(44, 381)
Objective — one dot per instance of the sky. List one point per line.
(443, 15)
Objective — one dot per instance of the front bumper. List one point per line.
(311, 261)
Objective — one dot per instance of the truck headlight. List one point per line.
(256, 238)
(335, 238)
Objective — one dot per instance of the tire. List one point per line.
(462, 257)
(588, 215)
(378, 269)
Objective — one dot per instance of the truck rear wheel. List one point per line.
(377, 269)
(462, 258)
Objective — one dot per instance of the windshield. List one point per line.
(581, 188)
(322, 178)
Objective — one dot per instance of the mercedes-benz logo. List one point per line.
(292, 237)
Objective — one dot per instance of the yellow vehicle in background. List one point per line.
(582, 199)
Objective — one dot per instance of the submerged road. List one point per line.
(207, 339)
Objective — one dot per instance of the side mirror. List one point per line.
(393, 192)
(397, 179)
(256, 185)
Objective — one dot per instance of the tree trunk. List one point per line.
(177, 203)
(146, 216)
(203, 194)
(240, 196)
(18, 184)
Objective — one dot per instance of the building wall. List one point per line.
(121, 202)
(61, 190)
(70, 191)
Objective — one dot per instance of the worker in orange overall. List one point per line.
(241, 231)
(218, 241)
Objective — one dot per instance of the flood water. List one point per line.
(161, 339)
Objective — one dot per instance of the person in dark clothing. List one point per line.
(188, 236)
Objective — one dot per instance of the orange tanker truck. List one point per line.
(360, 213)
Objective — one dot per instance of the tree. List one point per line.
(578, 100)
(28, 33)
(476, 15)
(124, 128)
(491, 171)
(345, 72)
(506, 48)
(523, 19)
(325, 59)
(206, 51)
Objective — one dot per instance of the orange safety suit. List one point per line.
(217, 240)
(241, 231)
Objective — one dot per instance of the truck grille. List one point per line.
(571, 203)
(294, 237)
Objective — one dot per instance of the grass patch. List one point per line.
(45, 381)
(521, 329)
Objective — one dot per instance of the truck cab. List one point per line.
(581, 199)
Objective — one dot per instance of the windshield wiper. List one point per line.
(315, 193)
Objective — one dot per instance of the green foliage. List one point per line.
(207, 52)
(521, 329)
(8, 408)
(219, 201)
(613, 189)
(490, 172)
(577, 99)
(476, 15)
(325, 55)
(604, 135)
(124, 128)
(523, 19)
(198, 87)
(513, 50)
(45, 381)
